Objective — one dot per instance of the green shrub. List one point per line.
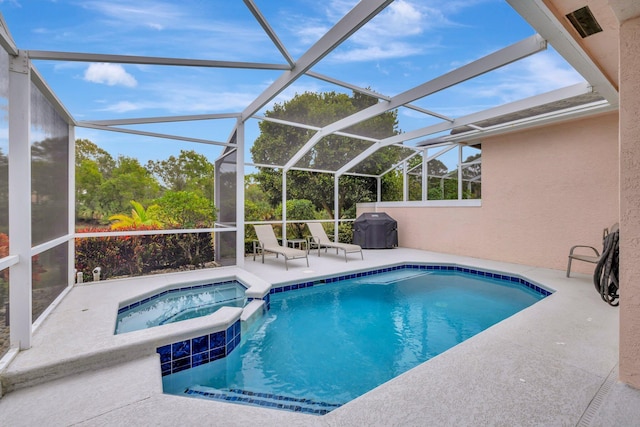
(137, 255)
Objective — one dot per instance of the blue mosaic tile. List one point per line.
(165, 353)
(217, 339)
(217, 353)
(229, 333)
(166, 369)
(230, 346)
(457, 268)
(200, 344)
(180, 364)
(200, 359)
(181, 349)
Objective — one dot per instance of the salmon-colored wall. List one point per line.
(543, 190)
(630, 202)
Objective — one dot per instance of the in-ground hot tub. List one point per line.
(188, 301)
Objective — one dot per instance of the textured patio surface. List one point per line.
(552, 364)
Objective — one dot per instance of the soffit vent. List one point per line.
(584, 22)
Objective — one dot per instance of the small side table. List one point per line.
(297, 243)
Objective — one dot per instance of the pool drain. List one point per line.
(587, 417)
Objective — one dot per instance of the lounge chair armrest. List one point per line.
(583, 246)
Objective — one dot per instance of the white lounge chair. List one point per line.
(320, 240)
(267, 242)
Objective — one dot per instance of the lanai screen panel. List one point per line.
(4, 199)
(471, 172)
(413, 42)
(4, 146)
(336, 150)
(49, 170)
(226, 203)
(49, 200)
(205, 132)
(332, 152)
(414, 177)
(276, 143)
(49, 277)
(382, 160)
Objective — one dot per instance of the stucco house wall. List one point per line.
(543, 190)
(630, 202)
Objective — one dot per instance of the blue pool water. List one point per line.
(178, 304)
(322, 346)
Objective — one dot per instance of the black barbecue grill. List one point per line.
(375, 230)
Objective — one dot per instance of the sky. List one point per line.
(409, 43)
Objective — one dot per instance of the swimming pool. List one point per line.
(173, 305)
(324, 344)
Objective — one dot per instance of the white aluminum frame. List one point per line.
(20, 275)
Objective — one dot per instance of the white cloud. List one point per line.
(153, 14)
(392, 34)
(376, 52)
(536, 74)
(123, 107)
(109, 74)
(181, 100)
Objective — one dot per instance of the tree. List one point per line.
(128, 181)
(87, 150)
(440, 188)
(391, 190)
(93, 166)
(88, 181)
(190, 171)
(256, 203)
(472, 178)
(298, 210)
(185, 209)
(277, 142)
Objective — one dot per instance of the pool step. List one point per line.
(390, 277)
(267, 400)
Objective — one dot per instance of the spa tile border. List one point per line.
(516, 279)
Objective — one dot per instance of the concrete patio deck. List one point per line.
(552, 364)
